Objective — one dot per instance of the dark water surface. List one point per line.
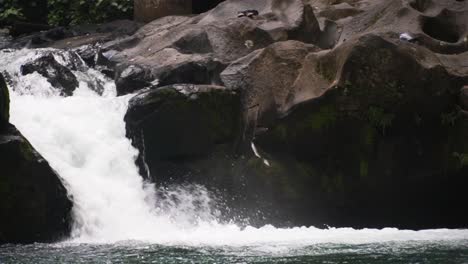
(433, 252)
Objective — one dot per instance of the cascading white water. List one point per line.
(83, 138)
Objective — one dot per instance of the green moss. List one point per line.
(369, 136)
(333, 183)
(378, 118)
(462, 158)
(327, 71)
(324, 118)
(280, 132)
(364, 168)
(27, 150)
(222, 112)
(450, 118)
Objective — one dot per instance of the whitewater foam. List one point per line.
(83, 138)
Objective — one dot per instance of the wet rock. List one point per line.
(464, 98)
(61, 77)
(34, 206)
(158, 120)
(438, 25)
(201, 6)
(4, 103)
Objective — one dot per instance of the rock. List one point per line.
(464, 98)
(364, 144)
(195, 50)
(436, 24)
(34, 206)
(131, 79)
(160, 119)
(266, 80)
(148, 10)
(61, 77)
(4, 104)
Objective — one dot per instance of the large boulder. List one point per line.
(34, 206)
(196, 49)
(181, 122)
(379, 147)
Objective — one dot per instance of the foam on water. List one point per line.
(83, 138)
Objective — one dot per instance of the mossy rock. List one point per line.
(4, 102)
(183, 122)
(34, 205)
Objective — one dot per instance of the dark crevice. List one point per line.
(441, 28)
(420, 5)
(201, 6)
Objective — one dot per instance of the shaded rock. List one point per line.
(4, 104)
(364, 144)
(58, 75)
(158, 120)
(464, 97)
(200, 6)
(34, 206)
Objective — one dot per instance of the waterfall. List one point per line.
(83, 138)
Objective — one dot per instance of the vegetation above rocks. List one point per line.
(63, 12)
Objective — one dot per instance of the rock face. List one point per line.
(4, 103)
(160, 118)
(34, 206)
(341, 122)
(149, 10)
(364, 146)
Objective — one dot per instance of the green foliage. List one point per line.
(450, 118)
(324, 118)
(10, 10)
(462, 158)
(364, 168)
(73, 12)
(64, 12)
